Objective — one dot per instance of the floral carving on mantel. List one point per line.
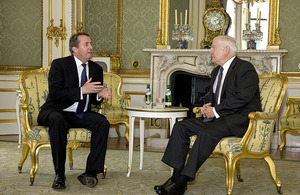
(204, 65)
(167, 61)
(263, 65)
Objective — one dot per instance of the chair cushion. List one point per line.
(227, 144)
(41, 133)
(291, 121)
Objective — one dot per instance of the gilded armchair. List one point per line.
(114, 109)
(34, 88)
(257, 140)
(290, 122)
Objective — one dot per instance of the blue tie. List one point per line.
(81, 104)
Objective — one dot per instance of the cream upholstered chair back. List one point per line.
(114, 109)
(272, 88)
(34, 87)
(290, 122)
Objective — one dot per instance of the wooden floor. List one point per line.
(289, 153)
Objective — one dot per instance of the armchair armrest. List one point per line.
(197, 112)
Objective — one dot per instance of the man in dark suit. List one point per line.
(234, 93)
(75, 82)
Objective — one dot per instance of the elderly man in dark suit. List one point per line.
(234, 93)
(75, 82)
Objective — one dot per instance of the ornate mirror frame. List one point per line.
(273, 36)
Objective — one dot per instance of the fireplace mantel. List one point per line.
(198, 61)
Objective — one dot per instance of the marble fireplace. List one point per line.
(166, 62)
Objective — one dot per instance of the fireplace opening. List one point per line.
(189, 90)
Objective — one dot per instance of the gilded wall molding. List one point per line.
(162, 39)
(273, 37)
(56, 32)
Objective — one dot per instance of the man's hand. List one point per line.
(91, 87)
(207, 111)
(104, 93)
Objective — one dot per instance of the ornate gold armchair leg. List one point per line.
(230, 167)
(34, 150)
(70, 155)
(104, 172)
(118, 131)
(25, 152)
(283, 139)
(238, 171)
(273, 172)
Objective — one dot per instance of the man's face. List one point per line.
(84, 52)
(218, 53)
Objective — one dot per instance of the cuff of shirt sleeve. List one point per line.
(98, 98)
(216, 114)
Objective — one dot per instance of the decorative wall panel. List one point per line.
(101, 24)
(21, 33)
(140, 23)
(289, 24)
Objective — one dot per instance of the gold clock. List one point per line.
(215, 21)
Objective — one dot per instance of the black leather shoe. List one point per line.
(88, 180)
(172, 190)
(59, 182)
(158, 188)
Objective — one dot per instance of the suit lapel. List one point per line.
(73, 69)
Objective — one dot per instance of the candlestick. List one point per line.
(175, 16)
(249, 18)
(185, 18)
(245, 15)
(257, 15)
(180, 18)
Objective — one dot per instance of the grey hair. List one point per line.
(228, 41)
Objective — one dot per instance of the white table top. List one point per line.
(153, 109)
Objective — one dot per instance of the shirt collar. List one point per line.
(78, 62)
(227, 64)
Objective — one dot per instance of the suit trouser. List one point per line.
(208, 136)
(60, 122)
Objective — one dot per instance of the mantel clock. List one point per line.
(215, 21)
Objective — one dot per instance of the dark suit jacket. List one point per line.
(63, 83)
(239, 96)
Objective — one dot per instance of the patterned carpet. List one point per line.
(210, 178)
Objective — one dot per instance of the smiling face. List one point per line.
(84, 51)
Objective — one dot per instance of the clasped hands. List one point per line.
(207, 111)
(96, 87)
